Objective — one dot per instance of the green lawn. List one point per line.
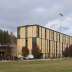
(37, 66)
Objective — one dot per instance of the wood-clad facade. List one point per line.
(51, 43)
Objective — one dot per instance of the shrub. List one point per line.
(25, 51)
(68, 51)
(36, 51)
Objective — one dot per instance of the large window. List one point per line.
(37, 31)
(26, 42)
(18, 33)
(33, 41)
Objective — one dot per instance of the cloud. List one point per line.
(40, 10)
(61, 25)
(22, 12)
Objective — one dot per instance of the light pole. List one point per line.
(61, 21)
(60, 29)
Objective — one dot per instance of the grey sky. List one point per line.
(21, 12)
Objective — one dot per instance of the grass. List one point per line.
(37, 66)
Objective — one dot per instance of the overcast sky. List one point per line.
(14, 13)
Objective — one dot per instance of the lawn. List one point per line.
(37, 66)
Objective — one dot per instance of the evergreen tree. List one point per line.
(6, 38)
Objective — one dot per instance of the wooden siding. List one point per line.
(22, 32)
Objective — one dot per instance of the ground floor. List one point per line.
(40, 47)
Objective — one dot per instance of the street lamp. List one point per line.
(61, 15)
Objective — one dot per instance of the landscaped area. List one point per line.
(59, 65)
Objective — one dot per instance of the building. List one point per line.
(7, 52)
(49, 43)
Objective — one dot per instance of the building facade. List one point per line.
(49, 43)
(7, 52)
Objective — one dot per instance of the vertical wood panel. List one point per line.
(58, 37)
(43, 46)
(55, 48)
(30, 43)
(51, 35)
(58, 49)
(61, 38)
(51, 49)
(64, 38)
(20, 45)
(55, 36)
(34, 31)
(70, 40)
(40, 32)
(22, 32)
(43, 33)
(39, 43)
(29, 29)
(47, 33)
(46, 50)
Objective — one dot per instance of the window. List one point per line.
(25, 32)
(34, 40)
(37, 31)
(26, 42)
(45, 33)
(18, 32)
(49, 48)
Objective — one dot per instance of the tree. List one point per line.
(25, 51)
(6, 38)
(13, 39)
(36, 51)
(68, 51)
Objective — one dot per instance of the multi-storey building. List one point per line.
(51, 43)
